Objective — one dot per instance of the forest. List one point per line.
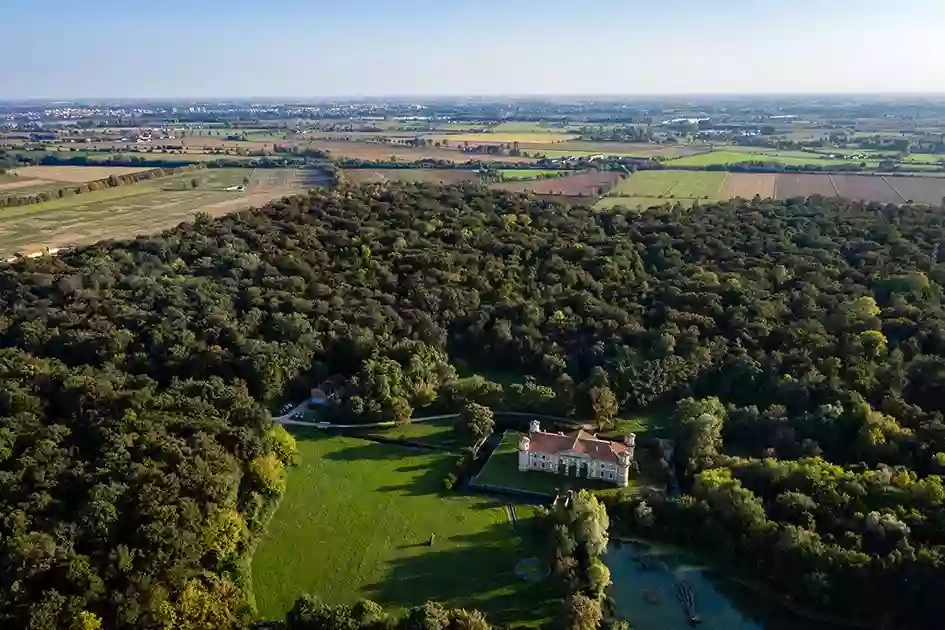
(802, 344)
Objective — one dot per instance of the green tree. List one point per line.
(475, 424)
(581, 612)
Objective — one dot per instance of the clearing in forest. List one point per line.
(356, 522)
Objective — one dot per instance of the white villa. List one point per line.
(579, 454)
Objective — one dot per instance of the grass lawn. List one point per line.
(668, 185)
(502, 470)
(437, 433)
(356, 520)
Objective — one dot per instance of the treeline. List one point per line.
(308, 613)
(574, 531)
(112, 181)
(134, 441)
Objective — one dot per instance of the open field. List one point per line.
(26, 186)
(928, 190)
(75, 174)
(795, 185)
(502, 470)
(866, 188)
(490, 137)
(672, 184)
(590, 183)
(429, 175)
(739, 157)
(624, 149)
(747, 185)
(356, 521)
(366, 151)
(529, 174)
(648, 188)
(142, 208)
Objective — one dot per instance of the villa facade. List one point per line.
(578, 454)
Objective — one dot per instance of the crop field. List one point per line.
(366, 151)
(624, 149)
(530, 174)
(491, 137)
(356, 522)
(588, 184)
(429, 175)
(740, 157)
(647, 188)
(75, 174)
(142, 208)
(799, 185)
(928, 190)
(866, 188)
(672, 184)
(747, 185)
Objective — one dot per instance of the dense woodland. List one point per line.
(804, 339)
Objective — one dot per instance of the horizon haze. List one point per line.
(419, 48)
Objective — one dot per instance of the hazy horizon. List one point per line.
(291, 49)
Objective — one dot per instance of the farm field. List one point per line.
(75, 174)
(739, 157)
(356, 521)
(672, 184)
(142, 208)
(429, 175)
(747, 185)
(366, 151)
(530, 174)
(590, 183)
(801, 185)
(648, 188)
(866, 188)
(492, 137)
(626, 149)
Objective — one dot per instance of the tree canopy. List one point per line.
(137, 456)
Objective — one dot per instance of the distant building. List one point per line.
(579, 454)
(327, 393)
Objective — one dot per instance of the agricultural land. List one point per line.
(647, 188)
(141, 208)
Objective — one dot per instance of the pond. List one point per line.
(658, 588)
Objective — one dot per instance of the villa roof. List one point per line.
(578, 442)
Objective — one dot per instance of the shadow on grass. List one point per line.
(472, 571)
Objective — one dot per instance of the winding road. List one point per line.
(286, 419)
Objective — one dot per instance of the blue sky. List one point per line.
(207, 48)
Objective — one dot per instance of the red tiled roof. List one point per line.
(578, 442)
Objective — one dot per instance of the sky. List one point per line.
(324, 48)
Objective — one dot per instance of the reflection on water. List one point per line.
(655, 589)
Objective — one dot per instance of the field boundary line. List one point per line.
(671, 187)
(834, 184)
(721, 188)
(896, 190)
